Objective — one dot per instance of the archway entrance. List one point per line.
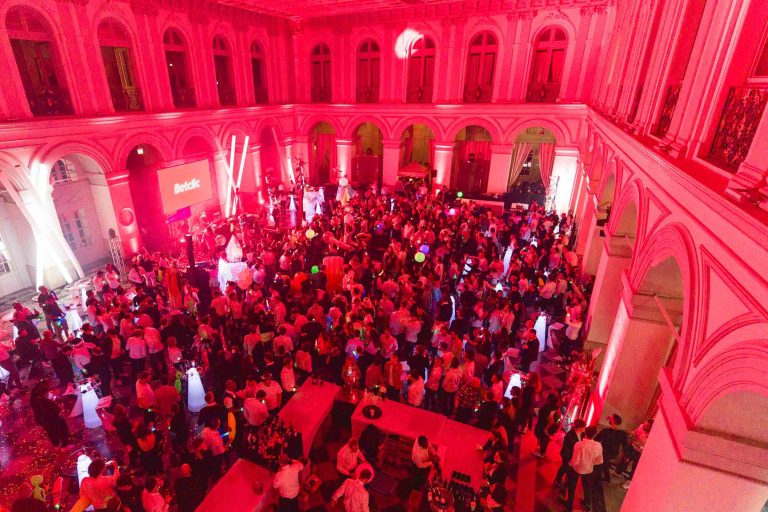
(642, 342)
(367, 160)
(142, 163)
(270, 159)
(471, 160)
(322, 153)
(417, 144)
(196, 149)
(84, 208)
(531, 166)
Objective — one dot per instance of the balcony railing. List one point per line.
(321, 95)
(738, 123)
(478, 94)
(127, 100)
(261, 95)
(419, 94)
(183, 97)
(668, 110)
(543, 93)
(50, 102)
(227, 96)
(367, 95)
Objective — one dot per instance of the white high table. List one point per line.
(308, 408)
(456, 442)
(235, 491)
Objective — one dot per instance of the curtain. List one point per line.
(519, 156)
(407, 149)
(546, 161)
(325, 154)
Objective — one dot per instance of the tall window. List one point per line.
(368, 66)
(74, 227)
(547, 67)
(178, 74)
(223, 72)
(258, 74)
(116, 54)
(684, 47)
(481, 66)
(421, 70)
(321, 74)
(37, 63)
(5, 255)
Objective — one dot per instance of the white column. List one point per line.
(498, 175)
(443, 160)
(390, 162)
(564, 172)
(343, 158)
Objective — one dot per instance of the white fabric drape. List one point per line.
(519, 156)
(546, 161)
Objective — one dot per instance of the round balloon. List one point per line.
(315, 269)
(310, 233)
(419, 257)
(424, 248)
(327, 237)
(459, 194)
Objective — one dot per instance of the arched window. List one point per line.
(258, 74)
(223, 72)
(421, 70)
(116, 54)
(368, 66)
(37, 62)
(178, 75)
(481, 65)
(547, 67)
(321, 73)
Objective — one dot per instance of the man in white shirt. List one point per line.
(273, 392)
(137, 351)
(254, 408)
(424, 457)
(97, 487)
(354, 492)
(287, 484)
(349, 457)
(586, 455)
(416, 390)
(145, 395)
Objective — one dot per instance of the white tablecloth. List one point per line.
(235, 490)
(308, 408)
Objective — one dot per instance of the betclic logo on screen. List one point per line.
(185, 185)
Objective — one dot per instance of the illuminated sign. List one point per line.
(185, 185)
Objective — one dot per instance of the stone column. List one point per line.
(343, 158)
(390, 161)
(122, 203)
(443, 161)
(610, 282)
(520, 56)
(498, 175)
(683, 468)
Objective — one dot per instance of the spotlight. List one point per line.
(139, 150)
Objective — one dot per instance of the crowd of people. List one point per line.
(430, 299)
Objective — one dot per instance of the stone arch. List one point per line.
(163, 147)
(559, 131)
(310, 122)
(432, 124)
(196, 131)
(354, 123)
(454, 128)
(628, 209)
(673, 241)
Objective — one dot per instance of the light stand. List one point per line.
(116, 252)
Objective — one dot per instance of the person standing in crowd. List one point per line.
(48, 415)
(424, 458)
(566, 451)
(355, 494)
(547, 424)
(97, 487)
(287, 483)
(587, 454)
(349, 457)
(637, 443)
(615, 443)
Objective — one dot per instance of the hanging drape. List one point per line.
(325, 154)
(546, 161)
(406, 148)
(519, 156)
(431, 152)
